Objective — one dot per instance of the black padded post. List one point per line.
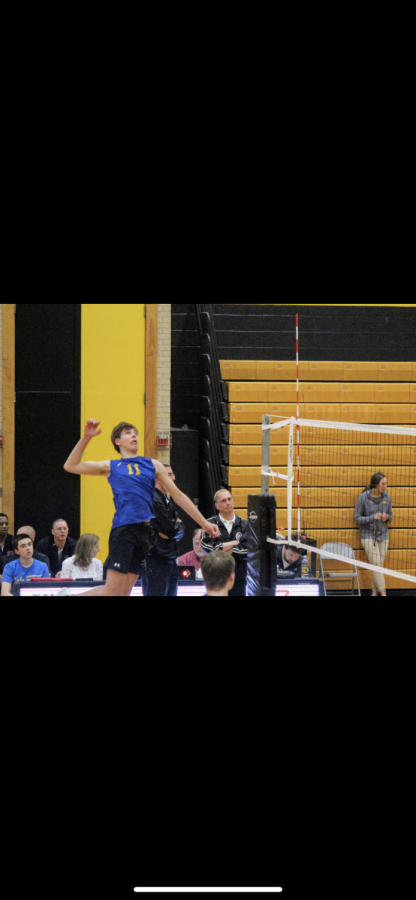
(261, 557)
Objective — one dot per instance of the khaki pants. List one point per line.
(376, 556)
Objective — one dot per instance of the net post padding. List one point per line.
(262, 555)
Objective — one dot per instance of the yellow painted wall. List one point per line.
(113, 347)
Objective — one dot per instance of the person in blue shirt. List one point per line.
(133, 481)
(24, 567)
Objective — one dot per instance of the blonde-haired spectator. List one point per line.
(83, 564)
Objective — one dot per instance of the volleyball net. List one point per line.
(319, 470)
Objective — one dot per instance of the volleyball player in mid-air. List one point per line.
(133, 483)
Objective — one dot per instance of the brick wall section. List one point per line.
(164, 359)
(1, 394)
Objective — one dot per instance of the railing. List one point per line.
(214, 420)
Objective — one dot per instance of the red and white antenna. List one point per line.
(297, 415)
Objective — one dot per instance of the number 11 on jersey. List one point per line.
(131, 470)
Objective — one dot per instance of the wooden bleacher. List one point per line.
(376, 393)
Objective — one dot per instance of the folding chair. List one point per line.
(330, 569)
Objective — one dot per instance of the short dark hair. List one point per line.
(217, 567)
(117, 432)
(21, 537)
(4, 516)
(59, 519)
(296, 537)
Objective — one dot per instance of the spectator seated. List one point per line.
(11, 555)
(57, 548)
(83, 564)
(24, 567)
(195, 556)
(289, 560)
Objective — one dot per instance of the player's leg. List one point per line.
(121, 550)
(115, 586)
(129, 583)
(141, 534)
(128, 546)
(120, 567)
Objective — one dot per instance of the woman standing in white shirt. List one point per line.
(83, 564)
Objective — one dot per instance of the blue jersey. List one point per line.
(15, 570)
(133, 482)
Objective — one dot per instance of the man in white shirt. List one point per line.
(233, 539)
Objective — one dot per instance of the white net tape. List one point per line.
(267, 471)
(344, 426)
(345, 559)
(274, 474)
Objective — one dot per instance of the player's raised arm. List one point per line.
(74, 462)
(183, 501)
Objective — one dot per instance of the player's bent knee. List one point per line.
(115, 592)
(116, 582)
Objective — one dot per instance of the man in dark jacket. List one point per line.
(6, 543)
(289, 559)
(233, 539)
(6, 539)
(58, 547)
(161, 576)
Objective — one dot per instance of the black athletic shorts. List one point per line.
(128, 547)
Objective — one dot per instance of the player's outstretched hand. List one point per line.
(212, 529)
(91, 429)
